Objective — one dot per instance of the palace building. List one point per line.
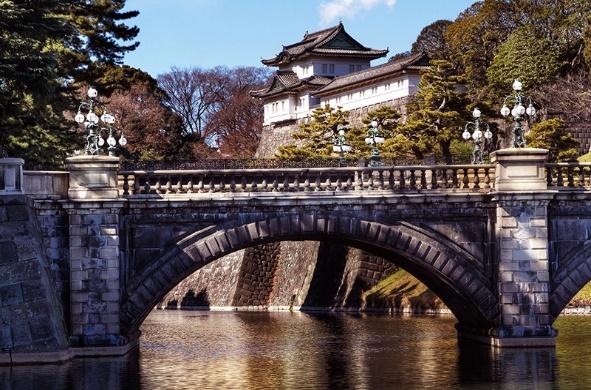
(331, 67)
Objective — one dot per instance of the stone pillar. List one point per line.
(522, 249)
(94, 210)
(11, 175)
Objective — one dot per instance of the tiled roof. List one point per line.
(329, 42)
(413, 62)
(287, 81)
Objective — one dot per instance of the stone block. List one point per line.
(537, 222)
(524, 254)
(11, 295)
(18, 213)
(94, 329)
(8, 252)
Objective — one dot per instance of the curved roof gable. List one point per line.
(334, 41)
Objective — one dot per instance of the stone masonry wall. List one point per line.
(523, 267)
(31, 316)
(211, 286)
(256, 277)
(95, 273)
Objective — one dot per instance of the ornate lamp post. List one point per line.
(518, 112)
(374, 138)
(99, 130)
(477, 137)
(340, 145)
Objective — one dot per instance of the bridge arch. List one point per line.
(448, 270)
(570, 279)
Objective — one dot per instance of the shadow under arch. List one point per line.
(443, 266)
(570, 279)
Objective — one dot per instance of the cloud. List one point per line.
(333, 10)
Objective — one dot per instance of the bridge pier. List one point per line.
(522, 265)
(95, 288)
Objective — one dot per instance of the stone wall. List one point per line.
(276, 135)
(212, 286)
(31, 317)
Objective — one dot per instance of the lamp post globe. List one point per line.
(477, 137)
(519, 112)
(99, 130)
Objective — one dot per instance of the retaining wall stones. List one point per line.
(31, 317)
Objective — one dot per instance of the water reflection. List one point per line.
(188, 350)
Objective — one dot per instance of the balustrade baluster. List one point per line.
(339, 184)
(390, 185)
(477, 179)
(549, 176)
(179, 185)
(158, 185)
(307, 184)
(243, 184)
(147, 186)
(328, 184)
(317, 185)
(434, 173)
(285, 183)
(466, 178)
(358, 180)
(125, 184)
(168, 185)
(222, 183)
(380, 179)
(402, 175)
(581, 179)
(370, 180)
(275, 187)
(349, 185)
(454, 178)
(264, 186)
(559, 179)
(423, 178)
(200, 185)
(254, 184)
(296, 184)
(233, 183)
(412, 180)
(570, 176)
(211, 185)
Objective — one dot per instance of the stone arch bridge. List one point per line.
(505, 246)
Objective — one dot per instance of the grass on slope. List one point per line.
(401, 290)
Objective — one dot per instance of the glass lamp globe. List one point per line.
(92, 117)
(111, 141)
(374, 123)
(101, 141)
(505, 111)
(92, 92)
(477, 135)
(514, 112)
(531, 110)
(520, 109)
(476, 113)
(346, 148)
(466, 135)
(336, 148)
(488, 134)
(341, 132)
(517, 85)
(122, 140)
(368, 140)
(79, 117)
(379, 139)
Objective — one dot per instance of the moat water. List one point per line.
(230, 350)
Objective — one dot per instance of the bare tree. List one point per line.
(193, 94)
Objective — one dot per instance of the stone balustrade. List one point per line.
(569, 176)
(11, 175)
(46, 184)
(462, 178)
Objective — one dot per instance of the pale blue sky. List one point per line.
(206, 33)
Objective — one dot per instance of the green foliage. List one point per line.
(388, 120)
(434, 116)
(47, 48)
(585, 158)
(315, 138)
(524, 56)
(550, 134)
(431, 40)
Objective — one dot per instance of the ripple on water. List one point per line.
(230, 350)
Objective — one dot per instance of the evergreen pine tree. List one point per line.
(550, 134)
(434, 115)
(315, 138)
